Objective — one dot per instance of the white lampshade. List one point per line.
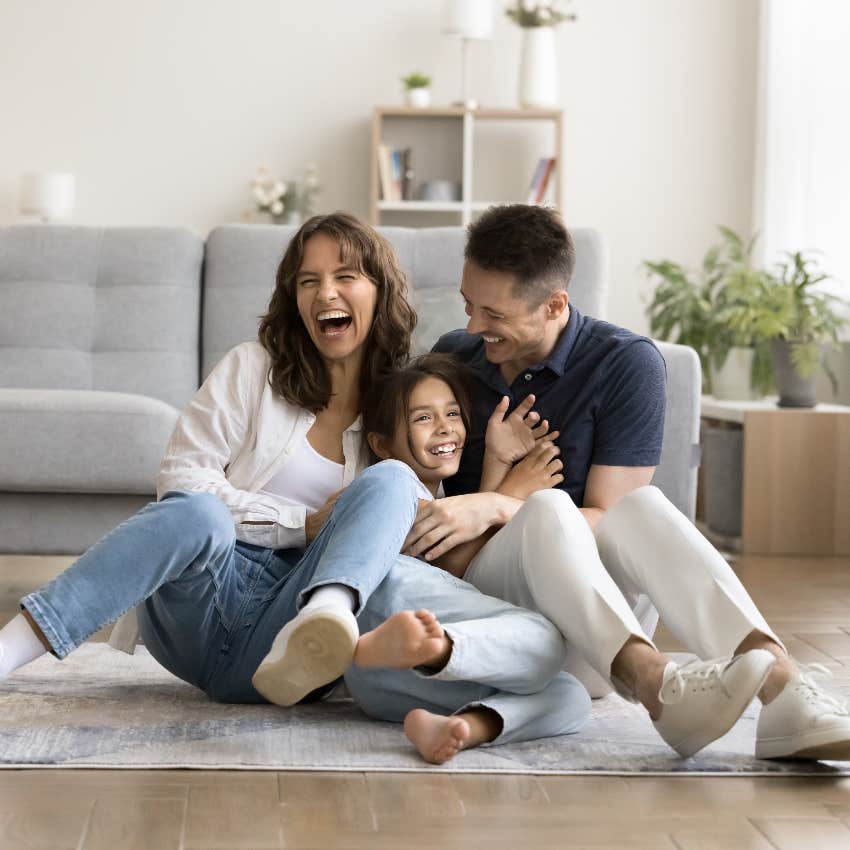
(468, 18)
(47, 194)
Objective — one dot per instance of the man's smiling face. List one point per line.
(515, 333)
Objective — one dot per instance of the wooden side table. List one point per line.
(796, 476)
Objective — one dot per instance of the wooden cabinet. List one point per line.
(460, 145)
(795, 495)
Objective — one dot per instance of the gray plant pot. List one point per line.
(794, 390)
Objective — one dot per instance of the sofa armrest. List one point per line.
(676, 475)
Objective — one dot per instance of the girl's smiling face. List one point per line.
(431, 436)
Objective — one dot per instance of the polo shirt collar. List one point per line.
(556, 362)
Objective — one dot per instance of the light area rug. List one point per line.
(103, 709)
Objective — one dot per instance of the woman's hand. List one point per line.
(315, 521)
(539, 470)
(443, 524)
(510, 438)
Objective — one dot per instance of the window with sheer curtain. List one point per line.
(802, 186)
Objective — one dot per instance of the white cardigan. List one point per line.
(234, 435)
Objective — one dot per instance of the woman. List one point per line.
(252, 565)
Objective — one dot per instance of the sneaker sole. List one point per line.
(317, 652)
(812, 747)
(698, 740)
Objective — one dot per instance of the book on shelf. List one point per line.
(395, 173)
(540, 181)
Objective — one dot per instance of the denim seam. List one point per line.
(72, 644)
(36, 607)
(352, 584)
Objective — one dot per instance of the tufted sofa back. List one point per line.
(116, 309)
(241, 261)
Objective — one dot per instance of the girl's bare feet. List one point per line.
(437, 738)
(407, 639)
(440, 738)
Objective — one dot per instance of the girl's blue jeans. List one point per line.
(209, 607)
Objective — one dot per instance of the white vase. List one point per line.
(732, 381)
(420, 97)
(538, 73)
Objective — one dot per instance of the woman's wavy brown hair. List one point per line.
(298, 372)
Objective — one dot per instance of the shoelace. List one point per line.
(815, 692)
(703, 671)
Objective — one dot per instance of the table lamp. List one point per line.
(471, 20)
(48, 195)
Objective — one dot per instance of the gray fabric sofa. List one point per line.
(106, 333)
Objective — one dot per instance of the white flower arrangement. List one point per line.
(285, 200)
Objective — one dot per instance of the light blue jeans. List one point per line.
(209, 607)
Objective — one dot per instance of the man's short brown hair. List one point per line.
(528, 242)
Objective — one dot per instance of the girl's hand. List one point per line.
(539, 470)
(509, 439)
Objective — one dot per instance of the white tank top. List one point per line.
(307, 479)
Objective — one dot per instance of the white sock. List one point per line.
(19, 645)
(339, 595)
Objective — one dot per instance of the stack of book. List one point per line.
(540, 181)
(395, 173)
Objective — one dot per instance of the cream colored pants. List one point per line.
(645, 559)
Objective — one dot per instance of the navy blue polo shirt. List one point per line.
(602, 388)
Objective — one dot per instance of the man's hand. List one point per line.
(539, 470)
(315, 521)
(443, 524)
(510, 438)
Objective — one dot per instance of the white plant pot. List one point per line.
(419, 98)
(538, 73)
(732, 381)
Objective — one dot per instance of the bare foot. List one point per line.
(407, 639)
(437, 738)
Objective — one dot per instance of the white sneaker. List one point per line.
(805, 721)
(703, 699)
(311, 650)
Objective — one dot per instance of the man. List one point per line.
(586, 552)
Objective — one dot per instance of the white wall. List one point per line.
(163, 109)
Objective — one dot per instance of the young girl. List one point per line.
(417, 419)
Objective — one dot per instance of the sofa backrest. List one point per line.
(241, 261)
(91, 308)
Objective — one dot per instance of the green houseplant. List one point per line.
(800, 320)
(708, 309)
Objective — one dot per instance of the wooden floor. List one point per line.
(807, 601)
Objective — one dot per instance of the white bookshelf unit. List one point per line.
(448, 143)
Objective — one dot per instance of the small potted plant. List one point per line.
(800, 321)
(417, 89)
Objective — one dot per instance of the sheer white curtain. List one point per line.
(802, 185)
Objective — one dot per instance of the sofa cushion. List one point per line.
(89, 308)
(82, 441)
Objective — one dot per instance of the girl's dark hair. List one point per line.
(298, 372)
(387, 400)
(528, 242)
